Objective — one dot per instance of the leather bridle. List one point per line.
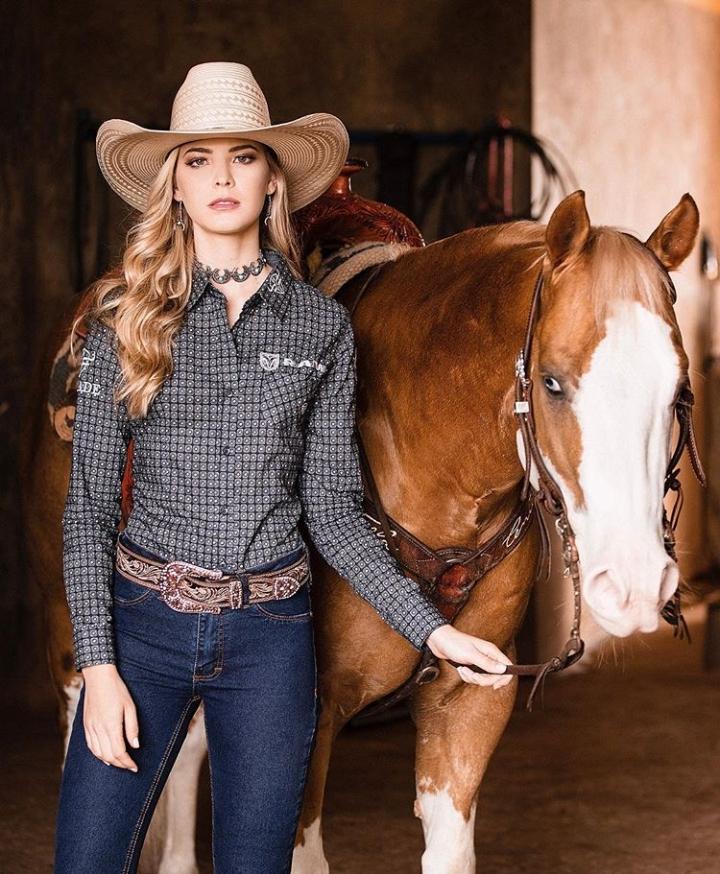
(549, 497)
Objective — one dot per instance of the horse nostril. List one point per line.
(604, 590)
(668, 582)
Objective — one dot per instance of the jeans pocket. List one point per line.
(127, 593)
(296, 608)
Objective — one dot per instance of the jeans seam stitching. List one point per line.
(153, 785)
(131, 603)
(288, 617)
(308, 754)
(212, 799)
(197, 648)
(221, 647)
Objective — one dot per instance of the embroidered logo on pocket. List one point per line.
(269, 360)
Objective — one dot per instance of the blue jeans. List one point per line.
(254, 671)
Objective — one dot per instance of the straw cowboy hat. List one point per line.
(220, 99)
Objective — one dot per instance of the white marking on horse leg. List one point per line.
(309, 857)
(449, 837)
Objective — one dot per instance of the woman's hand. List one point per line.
(446, 642)
(108, 707)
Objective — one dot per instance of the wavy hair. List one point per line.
(143, 298)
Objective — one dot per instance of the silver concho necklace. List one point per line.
(220, 275)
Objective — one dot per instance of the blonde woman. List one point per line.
(236, 380)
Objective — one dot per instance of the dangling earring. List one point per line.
(269, 207)
(180, 220)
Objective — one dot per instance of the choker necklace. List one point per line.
(224, 275)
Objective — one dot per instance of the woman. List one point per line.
(239, 394)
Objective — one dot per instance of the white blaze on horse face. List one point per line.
(623, 409)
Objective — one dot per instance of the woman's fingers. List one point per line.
(104, 744)
(486, 662)
(112, 748)
(93, 743)
(131, 724)
(490, 658)
(109, 714)
(479, 679)
(465, 652)
(488, 648)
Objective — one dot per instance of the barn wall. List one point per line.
(628, 91)
(433, 66)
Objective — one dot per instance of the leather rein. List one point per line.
(461, 568)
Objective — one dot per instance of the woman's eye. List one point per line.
(245, 159)
(553, 387)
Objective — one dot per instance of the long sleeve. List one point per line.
(331, 492)
(92, 508)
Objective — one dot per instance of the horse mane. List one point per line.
(619, 266)
(622, 268)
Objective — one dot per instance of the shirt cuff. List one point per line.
(421, 626)
(94, 645)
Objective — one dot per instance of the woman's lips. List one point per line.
(224, 204)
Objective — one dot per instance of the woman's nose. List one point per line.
(223, 176)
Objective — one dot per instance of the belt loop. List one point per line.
(244, 590)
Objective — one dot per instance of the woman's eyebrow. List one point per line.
(209, 151)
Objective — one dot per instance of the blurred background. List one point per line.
(467, 112)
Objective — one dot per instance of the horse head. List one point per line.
(607, 364)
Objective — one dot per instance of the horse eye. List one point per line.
(553, 387)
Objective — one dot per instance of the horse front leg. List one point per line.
(360, 659)
(458, 727)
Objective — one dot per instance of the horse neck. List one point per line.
(437, 342)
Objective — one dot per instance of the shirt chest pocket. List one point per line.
(286, 394)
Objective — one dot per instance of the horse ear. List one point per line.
(673, 239)
(568, 228)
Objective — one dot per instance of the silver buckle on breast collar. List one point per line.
(173, 588)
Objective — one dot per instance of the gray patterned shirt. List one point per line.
(253, 430)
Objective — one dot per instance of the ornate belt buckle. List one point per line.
(285, 586)
(174, 592)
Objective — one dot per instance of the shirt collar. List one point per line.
(275, 290)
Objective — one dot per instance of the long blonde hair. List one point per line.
(143, 299)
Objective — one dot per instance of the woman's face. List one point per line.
(223, 183)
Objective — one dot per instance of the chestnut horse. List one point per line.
(438, 332)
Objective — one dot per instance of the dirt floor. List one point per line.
(619, 772)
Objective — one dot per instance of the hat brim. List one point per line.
(312, 151)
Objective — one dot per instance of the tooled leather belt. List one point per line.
(190, 588)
